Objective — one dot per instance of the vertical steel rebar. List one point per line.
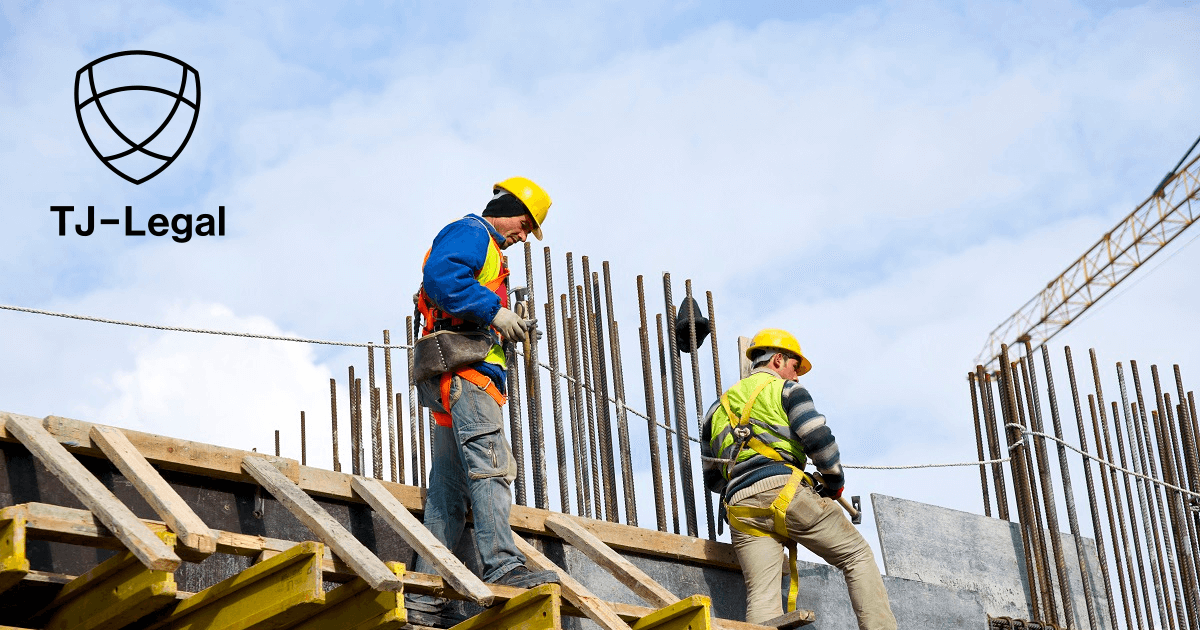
(514, 422)
(1019, 468)
(533, 390)
(590, 402)
(560, 439)
(1184, 555)
(685, 450)
(1162, 542)
(989, 417)
(660, 511)
(354, 435)
(303, 442)
(983, 484)
(698, 398)
(666, 401)
(1143, 500)
(391, 411)
(712, 332)
(276, 442)
(1141, 572)
(1112, 528)
(398, 438)
(1191, 466)
(337, 463)
(1032, 479)
(413, 412)
(376, 434)
(1178, 558)
(1069, 494)
(583, 497)
(600, 383)
(361, 453)
(583, 409)
(618, 372)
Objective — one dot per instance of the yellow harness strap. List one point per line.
(778, 512)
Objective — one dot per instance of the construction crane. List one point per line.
(1165, 214)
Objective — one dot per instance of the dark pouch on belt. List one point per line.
(447, 350)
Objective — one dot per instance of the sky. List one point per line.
(887, 180)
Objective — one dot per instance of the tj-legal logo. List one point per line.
(137, 110)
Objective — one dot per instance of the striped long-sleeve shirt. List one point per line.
(808, 428)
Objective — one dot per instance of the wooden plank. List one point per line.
(596, 609)
(595, 549)
(116, 593)
(423, 541)
(225, 463)
(535, 609)
(366, 564)
(14, 564)
(692, 613)
(276, 593)
(791, 620)
(158, 493)
(114, 514)
(355, 606)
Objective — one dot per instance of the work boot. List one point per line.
(431, 615)
(522, 577)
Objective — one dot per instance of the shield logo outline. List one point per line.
(135, 146)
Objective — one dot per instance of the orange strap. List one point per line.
(472, 376)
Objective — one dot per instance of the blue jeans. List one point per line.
(473, 467)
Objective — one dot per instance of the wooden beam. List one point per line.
(791, 620)
(365, 563)
(276, 593)
(692, 613)
(596, 609)
(637, 580)
(225, 463)
(14, 564)
(536, 609)
(355, 606)
(158, 493)
(116, 593)
(115, 516)
(422, 540)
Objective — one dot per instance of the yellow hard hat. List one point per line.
(780, 340)
(535, 199)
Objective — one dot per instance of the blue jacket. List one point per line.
(457, 255)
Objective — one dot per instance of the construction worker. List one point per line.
(757, 438)
(464, 297)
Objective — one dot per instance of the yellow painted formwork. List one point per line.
(691, 613)
(115, 593)
(275, 593)
(14, 565)
(355, 606)
(538, 608)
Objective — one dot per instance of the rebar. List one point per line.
(666, 401)
(698, 397)
(681, 432)
(989, 416)
(337, 463)
(303, 442)
(712, 332)
(660, 509)
(414, 416)
(1192, 468)
(376, 434)
(533, 390)
(276, 442)
(1097, 527)
(1162, 542)
(1168, 450)
(983, 484)
(1069, 495)
(354, 469)
(1177, 558)
(560, 439)
(1019, 467)
(572, 404)
(585, 352)
(1140, 484)
(583, 402)
(1133, 529)
(398, 438)
(391, 412)
(360, 453)
(514, 421)
(618, 371)
(600, 384)
(1032, 479)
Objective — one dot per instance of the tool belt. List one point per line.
(473, 376)
(445, 351)
(778, 513)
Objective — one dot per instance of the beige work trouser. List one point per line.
(820, 526)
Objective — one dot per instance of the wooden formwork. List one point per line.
(286, 586)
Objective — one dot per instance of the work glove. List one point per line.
(510, 325)
(831, 493)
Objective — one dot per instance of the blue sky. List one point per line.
(888, 180)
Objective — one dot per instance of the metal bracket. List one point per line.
(692, 613)
(536, 609)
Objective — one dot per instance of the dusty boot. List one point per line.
(430, 615)
(522, 577)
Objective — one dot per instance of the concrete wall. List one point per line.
(971, 553)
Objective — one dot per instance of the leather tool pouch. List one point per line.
(447, 350)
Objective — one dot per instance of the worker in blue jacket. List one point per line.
(464, 288)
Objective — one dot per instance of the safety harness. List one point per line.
(471, 375)
(743, 433)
